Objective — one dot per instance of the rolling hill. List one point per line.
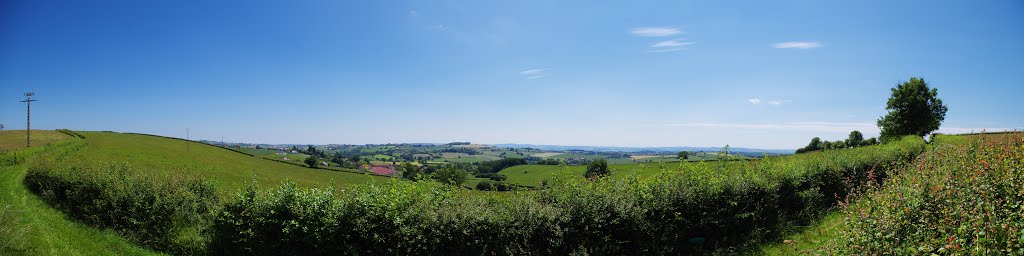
(229, 170)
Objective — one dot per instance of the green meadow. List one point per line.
(229, 170)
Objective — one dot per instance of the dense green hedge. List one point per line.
(166, 213)
(702, 206)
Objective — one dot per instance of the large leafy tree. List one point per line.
(914, 109)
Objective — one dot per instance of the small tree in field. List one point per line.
(683, 155)
(451, 176)
(311, 161)
(855, 139)
(914, 109)
(597, 168)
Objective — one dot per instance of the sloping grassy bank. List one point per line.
(29, 226)
(966, 196)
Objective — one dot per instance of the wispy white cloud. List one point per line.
(797, 45)
(836, 127)
(757, 101)
(655, 31)
(670, 45)
(530, 74)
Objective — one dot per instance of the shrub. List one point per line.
(495, 186)
(492, 176)
(597, 168)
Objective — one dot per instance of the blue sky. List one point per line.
(766, 74)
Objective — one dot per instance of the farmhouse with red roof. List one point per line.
(382, 170)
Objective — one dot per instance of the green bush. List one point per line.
(492, 176)
(165, 213)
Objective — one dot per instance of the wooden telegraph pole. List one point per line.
(28, 118)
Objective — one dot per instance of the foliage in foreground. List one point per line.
(964, 197)
(166, 213)
(703, 207)
(699, 207)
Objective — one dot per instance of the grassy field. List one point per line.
(229, 170)
(15, 139)
(276, 155)
(29, 226)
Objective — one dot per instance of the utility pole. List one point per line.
(28, 118)
(187, 139)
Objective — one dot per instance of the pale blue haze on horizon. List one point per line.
(757, 74)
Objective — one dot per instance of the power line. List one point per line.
(28, 118)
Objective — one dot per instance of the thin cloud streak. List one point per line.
(754, 101)
(531, 74)
(670, 45)
(655, 31)
(797, 45)
(794, 126)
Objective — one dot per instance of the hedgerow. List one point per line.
(168, 213)
(964, 197)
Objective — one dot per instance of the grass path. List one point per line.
(29, 226)
(807, 240)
